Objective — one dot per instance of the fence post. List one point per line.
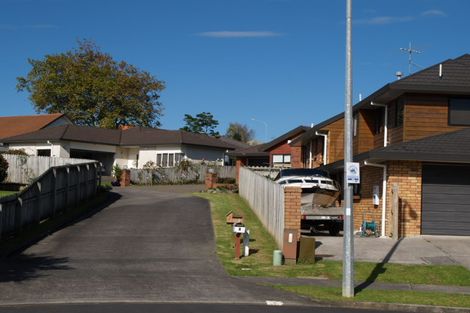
(1, 220)
(77, 198)
(37, 213)
(54, 191)
(67, 184)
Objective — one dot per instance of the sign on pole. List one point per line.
(353, 174)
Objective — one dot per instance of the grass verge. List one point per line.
(259, 263)
(32, 234)
(383, 296)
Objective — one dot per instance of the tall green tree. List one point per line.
(240, 132)
(202, 123)
(93, 89)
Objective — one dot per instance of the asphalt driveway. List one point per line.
(150, 245)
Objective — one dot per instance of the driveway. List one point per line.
(412, 250)
(150, 245)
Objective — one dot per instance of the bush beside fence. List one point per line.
(173, 175)
(266, 198)
(58, 189)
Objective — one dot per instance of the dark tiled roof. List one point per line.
(448, 147)
(233, 142)
(17, 125)
(253, 151)
(137, 136)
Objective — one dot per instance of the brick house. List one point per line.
(413, 132)
(276, 153)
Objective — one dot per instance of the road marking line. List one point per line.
(274, 303)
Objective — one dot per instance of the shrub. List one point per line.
(3, 168)
(16, 152)
(117, 172)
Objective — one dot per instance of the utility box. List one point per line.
(306, 250)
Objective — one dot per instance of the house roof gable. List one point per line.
(17, 125)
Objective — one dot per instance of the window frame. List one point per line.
(449, 121)
(283, 156)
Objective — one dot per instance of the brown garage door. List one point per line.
(446, 200)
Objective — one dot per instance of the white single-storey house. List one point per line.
(128, 148)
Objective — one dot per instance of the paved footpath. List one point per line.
(149, 245)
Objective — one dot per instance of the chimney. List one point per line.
(125, 127)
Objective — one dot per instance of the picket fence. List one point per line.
(56, 190)
(24, 169)
(266, 198)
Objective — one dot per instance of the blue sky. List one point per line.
(278, 61)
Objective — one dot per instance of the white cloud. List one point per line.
(384, 20)
(434, 13)
(239, 34)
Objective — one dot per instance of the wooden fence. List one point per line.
(173, 175)
(266, 198)
(24, 169)
(58, 189)
(265, 171)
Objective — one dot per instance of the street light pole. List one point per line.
(348, 255)
(265, 128)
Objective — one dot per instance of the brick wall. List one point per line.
(296, 157)
(211, 180)
(239, 163)
(363, 206)
(292, 203)
(408, 176)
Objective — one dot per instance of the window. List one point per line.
(281, 158)
(459, 111)
(159, 159)
(171, 159)
(379, 121)
(44, 152)
(164, 159)
(178, 158)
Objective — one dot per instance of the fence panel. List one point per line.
(55, 190)
(266, 198)
(173, 175)
(24, 169)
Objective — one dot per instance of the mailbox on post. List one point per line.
(238, 229)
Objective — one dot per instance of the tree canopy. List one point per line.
(202, 123)
(240, 132)
(93, 89)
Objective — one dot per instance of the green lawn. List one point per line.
(387, 296)
(260, 263)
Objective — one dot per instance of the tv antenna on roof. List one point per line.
(410, 52)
